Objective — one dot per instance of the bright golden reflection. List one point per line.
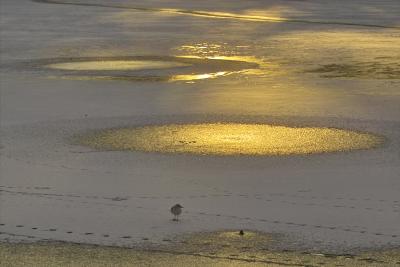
(264, 68)
(252, 15)
(224, 51)
(231, 139)
(148, 68)
(193, 77)
(116, 65)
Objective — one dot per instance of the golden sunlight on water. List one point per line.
(155, 68)
(231, 139)
(193, 77)
(116, 65)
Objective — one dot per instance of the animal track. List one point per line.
(256, 196)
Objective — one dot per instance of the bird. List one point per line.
(241, 232)
(176, 210)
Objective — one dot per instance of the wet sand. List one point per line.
(225, 248)
(283, 63)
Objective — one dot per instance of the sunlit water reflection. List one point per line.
(231, 139)
(145, 68)
(116, 65)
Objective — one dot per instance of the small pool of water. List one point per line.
(116, 65)
(231, 139)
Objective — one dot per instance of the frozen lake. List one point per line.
(72, 67)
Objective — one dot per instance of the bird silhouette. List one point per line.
(176, 210)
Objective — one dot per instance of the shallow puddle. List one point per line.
(231, 139)
(141, 68)
(116, 65)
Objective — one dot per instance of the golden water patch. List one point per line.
(231, 139)
(116, 65)
(142, 68)
(193, 77)
(251, 15)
